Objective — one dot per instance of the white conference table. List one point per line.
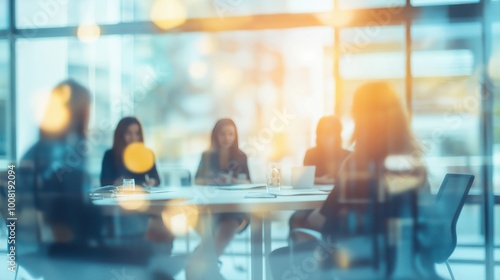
(210, 200)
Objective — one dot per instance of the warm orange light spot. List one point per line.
(179, 219)
(88, 33)
(167, 14)
(138, 158)
(335, 19)
(57, 115)
(342, 258)
(133, 200)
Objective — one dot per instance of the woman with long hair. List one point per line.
(224, 163)
(328, 154)
(386, 155)
(128, 131)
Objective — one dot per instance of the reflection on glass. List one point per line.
(441, 2)
(36, 14)
(355, 4)
(446, 107)
(3, 15)
(370, 53)
(272, 83)
(4, 89)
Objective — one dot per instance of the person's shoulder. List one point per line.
(108, 153)
(313, 152)
(241, 155)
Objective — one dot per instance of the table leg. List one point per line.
(256, 247)
(267, 245)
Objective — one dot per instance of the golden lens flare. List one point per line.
(133, 200)
(137, 158)
(57, 115)
(88, 33)
(180, 219)
(342, 258)
(167, 14)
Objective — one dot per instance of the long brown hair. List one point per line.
(329, 125)
(214, 144)
(119, 144)
(382, 125)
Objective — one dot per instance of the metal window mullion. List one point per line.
(11, 102)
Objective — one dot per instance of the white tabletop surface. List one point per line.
(220, 200)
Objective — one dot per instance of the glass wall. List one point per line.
(52, 13)
(3, 14)
(179, 85)
(4, 89)
(275, 83)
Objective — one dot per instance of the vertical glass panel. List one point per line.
(97, 66)
(446, 67)
(179, 85)
(4, 89)
(494, 73)
(36, 14)
(368, 54)
(184, 83)
(3, 14)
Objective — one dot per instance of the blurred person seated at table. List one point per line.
(114, 170)
(328, 156)
(128, 131)
(384, 144)
(53, 178)
(223, 164)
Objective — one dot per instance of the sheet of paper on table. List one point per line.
(293, 192)
(242, 187)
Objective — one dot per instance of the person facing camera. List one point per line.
(128, 131)
(224, 163)
(328, 154)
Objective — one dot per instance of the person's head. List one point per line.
(128, 131)
(328, 133)
(67, 111)
(225, 135)
(382, 126)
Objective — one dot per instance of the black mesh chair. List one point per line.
(450, 200)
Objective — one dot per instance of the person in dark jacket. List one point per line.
(327, 156)
(223, 164)
(128, 131)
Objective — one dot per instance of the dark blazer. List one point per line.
(316, 157)
(209, 168)
(111, 171)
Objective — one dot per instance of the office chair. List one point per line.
(447, 206)
(450, 200)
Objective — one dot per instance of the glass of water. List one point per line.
(128, 184)
(273, 178)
